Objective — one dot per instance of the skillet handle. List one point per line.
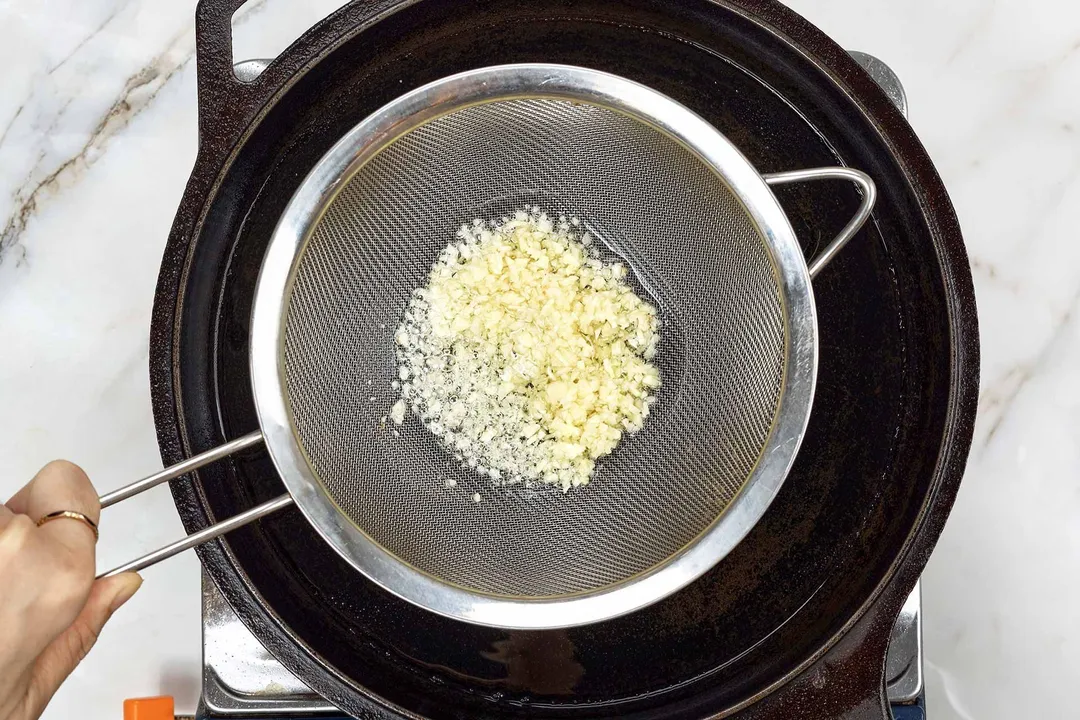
(177, 470)
(227, 103)
(230, 100)
(869, 197)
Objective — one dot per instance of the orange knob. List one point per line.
(151, 708)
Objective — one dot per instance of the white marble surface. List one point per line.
(97, 136)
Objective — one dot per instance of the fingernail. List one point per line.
(130, 585)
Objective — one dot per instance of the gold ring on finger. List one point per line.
(70, 515)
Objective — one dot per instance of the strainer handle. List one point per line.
(869, 197)
(209, 533)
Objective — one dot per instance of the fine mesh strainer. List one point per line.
(665, 193)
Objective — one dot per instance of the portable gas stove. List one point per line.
(241, 679)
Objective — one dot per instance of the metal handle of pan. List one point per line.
(869, 197)
(196, 538)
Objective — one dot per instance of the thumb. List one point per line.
(66, 651)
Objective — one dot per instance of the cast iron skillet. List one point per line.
(795, 621)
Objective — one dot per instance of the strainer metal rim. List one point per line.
(506, 82)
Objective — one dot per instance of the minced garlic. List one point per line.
(525, 354)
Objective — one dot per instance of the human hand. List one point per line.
(51, 608)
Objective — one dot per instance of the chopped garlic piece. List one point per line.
(397, 412)
(526, 354)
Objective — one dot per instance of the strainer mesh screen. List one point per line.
(693, 252)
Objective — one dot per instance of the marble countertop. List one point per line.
(97, 137)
